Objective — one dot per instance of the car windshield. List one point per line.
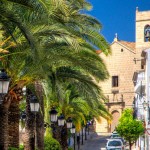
(114, 143)
(115, 136)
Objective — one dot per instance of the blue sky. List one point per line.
(118, 16)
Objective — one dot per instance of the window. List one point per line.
(142, 66)
(114, 81)
(147, 33)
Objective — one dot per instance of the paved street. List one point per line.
(95, 142)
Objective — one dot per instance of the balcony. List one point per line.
(115, 98)
(140, 87)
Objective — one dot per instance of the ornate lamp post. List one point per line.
(78, 140)
(73, 131)
(53, 115)
(69, 123)
(61, 120)
(4, 84)
(34, 107)
(145, 105)
(34, 104)
(61, 125)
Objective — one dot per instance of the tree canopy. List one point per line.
(129, 128)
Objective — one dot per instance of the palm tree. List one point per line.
(59, 40)
(77, 107)
(81, 98)
(10, 19)
(9, 22)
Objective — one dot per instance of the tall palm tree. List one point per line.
(61, 38)
(9, 22)
(77, 107)
(84, 97)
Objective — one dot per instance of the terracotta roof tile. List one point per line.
(130, 45)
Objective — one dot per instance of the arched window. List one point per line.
(147, 33)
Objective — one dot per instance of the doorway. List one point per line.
(116, 116)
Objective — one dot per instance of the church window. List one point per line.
(114, 81)
(122, 50)
(142, 66)
(147, 33)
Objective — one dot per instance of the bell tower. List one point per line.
(142, 30)
(142, 34)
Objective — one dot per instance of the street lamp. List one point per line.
(88, 124)
(34, 107)
(53, 115)
(145, 105)
(23, 115)
(4, 84)
(24, 89)
(61, 120)
(73, 131)
(34, 104)
(59, 123)
(78, 140)
(69, 123)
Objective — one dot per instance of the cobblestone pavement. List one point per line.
(95, 142)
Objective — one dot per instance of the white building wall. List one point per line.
(147, 92)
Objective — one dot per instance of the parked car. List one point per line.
(115, 135)
(115, 144)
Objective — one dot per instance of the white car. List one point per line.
(115, 136)
(115, 144)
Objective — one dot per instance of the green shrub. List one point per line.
(12, 148)
(51, 144)
(70, 148)
(21, 147)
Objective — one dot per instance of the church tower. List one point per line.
(142, 36)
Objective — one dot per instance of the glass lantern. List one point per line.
(23, 116)
(73, 129)
(4, 82)
(69, 123)
(145, 105)
(34, 104)
(61, 120)
(53, 115)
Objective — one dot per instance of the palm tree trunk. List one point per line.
(64, 138)
(130, 145)
(40, 116)
(13, 124)
(3, 127)
(40, 132)
(56, 132)
(13, 119)
(29, 137)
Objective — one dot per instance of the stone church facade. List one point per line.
(122, 64)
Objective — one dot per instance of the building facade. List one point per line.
(124, 62)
